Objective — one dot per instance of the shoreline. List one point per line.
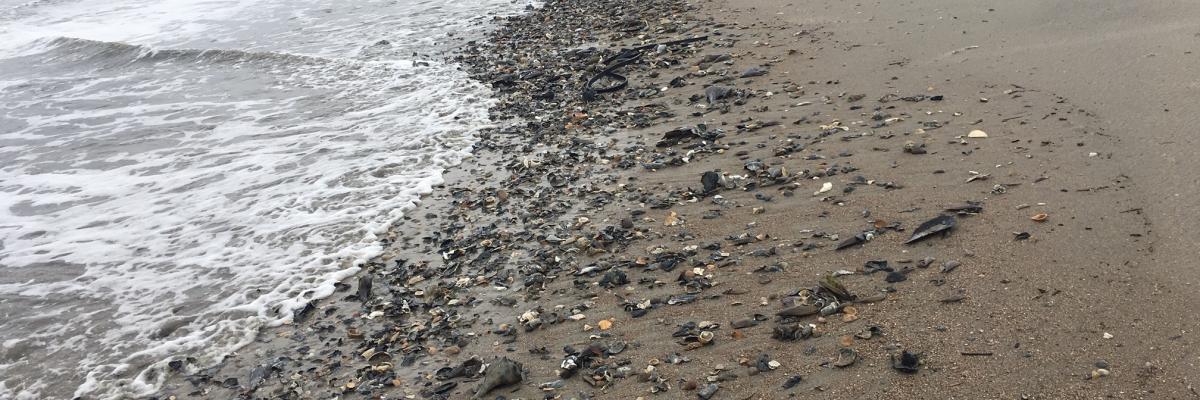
(579, 236)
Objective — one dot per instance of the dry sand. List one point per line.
(1089, 109)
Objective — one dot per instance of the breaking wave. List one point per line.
(116, 54)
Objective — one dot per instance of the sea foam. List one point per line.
(176, 175)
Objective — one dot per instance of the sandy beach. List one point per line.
(925, 199)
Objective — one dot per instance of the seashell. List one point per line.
(378, 359)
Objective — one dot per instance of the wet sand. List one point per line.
(1086, 113)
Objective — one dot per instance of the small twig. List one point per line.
(975, 353)
(1014, 117)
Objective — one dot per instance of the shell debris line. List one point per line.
(638, 225)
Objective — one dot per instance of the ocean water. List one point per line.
(177, 174)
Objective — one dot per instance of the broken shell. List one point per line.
(528, 316)
(846, 358)
(825, 187)
(849, 314)
(868, 333)
(846, 341)
(1040, 217)
(616, 348)
(802, 310)
(938, 224)
(378, 359)
(605, 324)
(706, 337)
(832, 308)
(671, 219)
(909, 363)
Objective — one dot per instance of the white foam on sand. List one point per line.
(175, 175)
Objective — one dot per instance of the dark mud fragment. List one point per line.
(895, 277)
(364, 288)
(711, 181)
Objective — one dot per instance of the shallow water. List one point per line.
(176, 174)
